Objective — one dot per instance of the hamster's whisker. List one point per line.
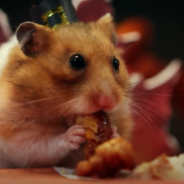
(153, 105)
(43, 99)
(67, 106)
(150, 107)
(142, 118)
(23, 103)
(136, 108)
(152, 93)
(140, 90)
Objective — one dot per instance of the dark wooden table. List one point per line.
(50, 176)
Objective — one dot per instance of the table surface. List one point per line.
(50, 176)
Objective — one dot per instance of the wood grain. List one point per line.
(50, 176)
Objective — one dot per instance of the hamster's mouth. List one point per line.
(70, 121)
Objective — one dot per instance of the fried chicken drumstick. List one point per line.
(97, 131)
(108, 159)
(105, 156)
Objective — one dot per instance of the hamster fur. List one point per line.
(41, 92)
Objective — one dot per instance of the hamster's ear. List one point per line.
(107, 24)
(31, 38)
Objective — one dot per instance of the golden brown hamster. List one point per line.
(49, 79)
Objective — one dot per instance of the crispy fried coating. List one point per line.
(108, 159)
(97, 130)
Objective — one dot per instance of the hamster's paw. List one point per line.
(74, 137)
(114, 132)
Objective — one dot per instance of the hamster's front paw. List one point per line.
(114, 132)
(74, 137)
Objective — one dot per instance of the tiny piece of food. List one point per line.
(97, 130)
(63, 171)
(108, 159)
(163, 167)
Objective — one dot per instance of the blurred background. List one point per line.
(166, 16)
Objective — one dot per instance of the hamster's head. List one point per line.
(79, 63)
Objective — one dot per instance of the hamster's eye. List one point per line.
(115, 64)
(77, 62)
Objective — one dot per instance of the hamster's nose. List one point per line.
(106, 101)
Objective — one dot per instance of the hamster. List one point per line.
(50, 78)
